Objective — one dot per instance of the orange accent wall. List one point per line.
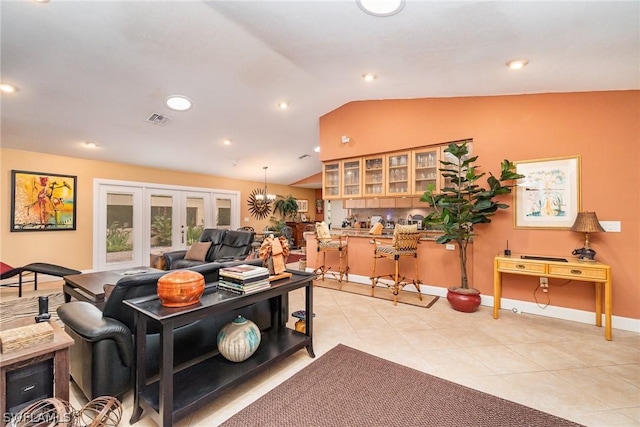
(602, 127)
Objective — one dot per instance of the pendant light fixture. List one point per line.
(260, 200)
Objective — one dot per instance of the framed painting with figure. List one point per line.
(549, 194)
(42, 201)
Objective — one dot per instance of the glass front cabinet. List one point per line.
(374, 176)
(351, 178)
(398, 173)
(331, 180)
(425, 169)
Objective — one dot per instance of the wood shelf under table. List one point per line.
(584, 271)
(194, 387)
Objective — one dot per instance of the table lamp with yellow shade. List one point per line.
(586, 222)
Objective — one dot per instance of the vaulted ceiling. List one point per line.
(97, 70)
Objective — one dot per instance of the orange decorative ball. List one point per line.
(180, 288)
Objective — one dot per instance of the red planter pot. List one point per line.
(465, 300)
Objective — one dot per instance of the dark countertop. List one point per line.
(386, 233)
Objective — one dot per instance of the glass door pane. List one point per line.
(119, 244)
(331, 180)
(398, 174)
(195, 213)
(161, 235)
(425, 173)
(374, 176)
(351, 178)
(223, 213)
(118, 228)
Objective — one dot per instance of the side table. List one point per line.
(596, 272)
(56, 349)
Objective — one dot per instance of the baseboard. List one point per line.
(582, 316)
(517, 306)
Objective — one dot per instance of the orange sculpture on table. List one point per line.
(274, 252)
(180, 288)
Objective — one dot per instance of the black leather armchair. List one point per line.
(226, 245)
(103, 354)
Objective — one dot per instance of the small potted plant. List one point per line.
(462, 204)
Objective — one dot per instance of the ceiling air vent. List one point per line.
(158, 119)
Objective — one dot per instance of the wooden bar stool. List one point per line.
(404, 245)
(326, 243)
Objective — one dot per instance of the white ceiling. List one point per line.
(96, 70)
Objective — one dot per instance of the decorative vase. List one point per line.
(180, 288)
(465, 300)
(238, 340)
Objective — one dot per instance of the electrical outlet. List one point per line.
(450, 247)
(544, 284)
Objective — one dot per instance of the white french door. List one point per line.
(135, 220)
(176, 218)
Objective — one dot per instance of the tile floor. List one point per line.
(564, 368)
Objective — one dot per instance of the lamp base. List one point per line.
(585, 254)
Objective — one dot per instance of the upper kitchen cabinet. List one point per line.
(351, 178)
(331, 180)
(374, 176)
(425, 169)
(398, 173)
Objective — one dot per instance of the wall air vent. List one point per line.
(158, 119)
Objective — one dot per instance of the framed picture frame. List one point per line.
(303, 205)
(43, 201)
(549, 194)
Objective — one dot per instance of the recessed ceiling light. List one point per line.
(89, 144)
(381, 7)
(516, 64)
(317, 149)
(7, 88)
(283, 105)
(369, 77)
(178, 102)
(227, 142)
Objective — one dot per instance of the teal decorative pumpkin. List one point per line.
(238, 340)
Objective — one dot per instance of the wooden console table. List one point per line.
(175, 395)
(585, 271)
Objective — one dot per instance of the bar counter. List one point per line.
(386, 232)
(438, 267)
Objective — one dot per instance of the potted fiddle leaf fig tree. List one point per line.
(460, 205)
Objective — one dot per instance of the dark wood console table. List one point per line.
(175, 395)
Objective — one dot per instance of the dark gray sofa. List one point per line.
(226, 245)
(103, 354)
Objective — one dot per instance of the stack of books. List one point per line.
(244, 279)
